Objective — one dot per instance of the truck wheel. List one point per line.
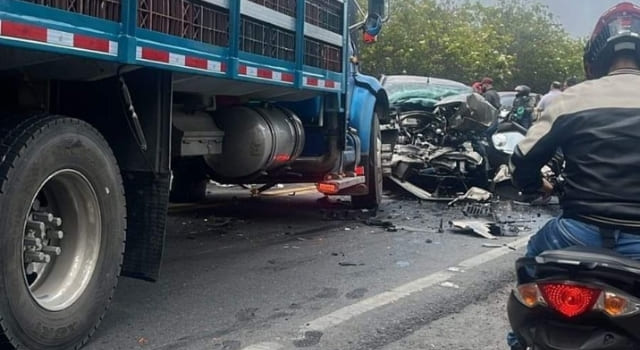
(372, 170)
(62, 231)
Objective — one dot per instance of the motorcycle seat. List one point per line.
(587, 256)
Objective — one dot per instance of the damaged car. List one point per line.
(444, 151)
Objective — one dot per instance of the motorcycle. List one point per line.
(576, 298)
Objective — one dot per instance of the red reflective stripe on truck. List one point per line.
(54, 37)
(155, 55)
(287, 77)
(196, 62)
(90, 43)
(179, 60)
(24, 31)
(321, 83)
(265, 74)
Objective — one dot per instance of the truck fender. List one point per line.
(367, 95)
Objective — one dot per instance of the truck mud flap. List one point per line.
(147, 205)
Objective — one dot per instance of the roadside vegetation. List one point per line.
(514, 41)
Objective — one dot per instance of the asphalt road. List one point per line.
(290, 272)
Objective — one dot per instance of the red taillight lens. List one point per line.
(569, 300)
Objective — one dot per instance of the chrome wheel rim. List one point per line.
(61, 240)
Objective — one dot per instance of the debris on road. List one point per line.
(413, 229)
(490, 245)
(346, 264)
(417, 191)
(474, 194)
(403, 263)
(478, 210)
(485, 229)
(449, 285)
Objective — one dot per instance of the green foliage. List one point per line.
(514, 41)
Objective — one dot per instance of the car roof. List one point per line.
(419, 79)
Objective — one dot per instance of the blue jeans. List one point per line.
(560, 233)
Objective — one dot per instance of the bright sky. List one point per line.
(578, 16)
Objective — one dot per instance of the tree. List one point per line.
(514, 42)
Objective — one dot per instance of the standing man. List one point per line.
(554, 91)
(490, 93)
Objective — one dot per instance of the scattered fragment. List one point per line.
(221, 222)
(142, 341)
(416, 191)
(491, 245)
(473, 194)
(449, 285)
(455, 269)
(403, 263)
(413, 229)
(378, 222)
(482, 228)
(428, 241)
(349, 264)
(347, 229)
(477, 210)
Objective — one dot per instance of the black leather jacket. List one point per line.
(493, 98)
(596, 124)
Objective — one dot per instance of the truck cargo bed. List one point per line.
(258, 45)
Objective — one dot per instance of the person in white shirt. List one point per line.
(556, 89)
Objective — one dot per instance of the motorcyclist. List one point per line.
(597, 126)
(523, 107)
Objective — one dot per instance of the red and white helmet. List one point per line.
(617, 30)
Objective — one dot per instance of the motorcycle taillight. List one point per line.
(568, 299)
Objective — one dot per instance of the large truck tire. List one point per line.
(62, 232)
(372, 170)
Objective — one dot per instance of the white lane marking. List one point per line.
(265, 346)
(348, 312)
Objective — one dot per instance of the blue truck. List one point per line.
(110, 108)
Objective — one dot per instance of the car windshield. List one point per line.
(421, 91)
(506, 100)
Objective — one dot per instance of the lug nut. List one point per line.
(39, 257)
(31, 269)
(51, 250)
(38, 228)
(33, 242)
(56, 222)
(42, 216)
(55, 234)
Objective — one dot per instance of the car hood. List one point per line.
(423, 99)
